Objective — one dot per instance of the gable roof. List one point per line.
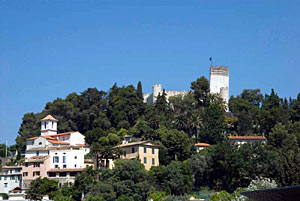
(52, 136)
(136, 143)
(201, 144)
(60, 134)
(58, 142)
(49, 117)
(247, 138)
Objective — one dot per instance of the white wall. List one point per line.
(29, 154)
(77, 138)
(73, 157)
(39, 142)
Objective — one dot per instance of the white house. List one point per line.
(55, 155)
(10, 178)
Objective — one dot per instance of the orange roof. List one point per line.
(60, 134)
(67, 170)
(32, 138)
(247, 138)
(82, 145)
(201, 144)
(57, 142)
(49, 137)
(49, 117)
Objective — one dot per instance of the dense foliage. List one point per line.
(176, 125)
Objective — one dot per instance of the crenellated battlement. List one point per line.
(221, 70)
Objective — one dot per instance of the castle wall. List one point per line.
(219, 84)
(219, 81)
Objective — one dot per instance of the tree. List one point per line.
(104, 149)
(95, 198)
(124, 105)
(177, 143)
(174, 179)
(295, 116)
(272, 112)
(30, 127)
(285, 146)
(40, 187)
(201, 169)
(132, 170)
(139, 90)
(201, 91)
(102, 189)
(246, 108)
(213, 128)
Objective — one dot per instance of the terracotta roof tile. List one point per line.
(136, 143)
(49, 117)
(58, 142)
(32, 138)
(201, 144)
(67, 170)
(60, 134)
(247, 138)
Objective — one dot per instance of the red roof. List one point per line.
(58, 142)
(49, 117)
(247, 138)
(60, 134)
(52, 137)
(32, 138)
(67, 170)
(201, 144)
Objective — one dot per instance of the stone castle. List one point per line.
(218, 82)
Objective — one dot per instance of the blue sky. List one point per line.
(49, 49)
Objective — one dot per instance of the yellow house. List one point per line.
(145, 151)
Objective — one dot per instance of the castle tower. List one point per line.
(48, 126)
(156, 89)
(219, 81)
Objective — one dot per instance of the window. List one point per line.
(36, 164)
(25, 174)
(12, 177)
(153, 151)
(153, 161)
(145, 160)
(62, 174)
(5, 178)
(132, 150)
(5, 185)
(55, 159)
(36, 173)
(40, 143)
(64, 159)
(64, 166)
(75, 157)
(0, 178)
(73, 174)
(145, 149)
(56, 166)
(45, 125)
(124, 153)
(26, 164)
(52, 174)
(75, 165)
(37, 153)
